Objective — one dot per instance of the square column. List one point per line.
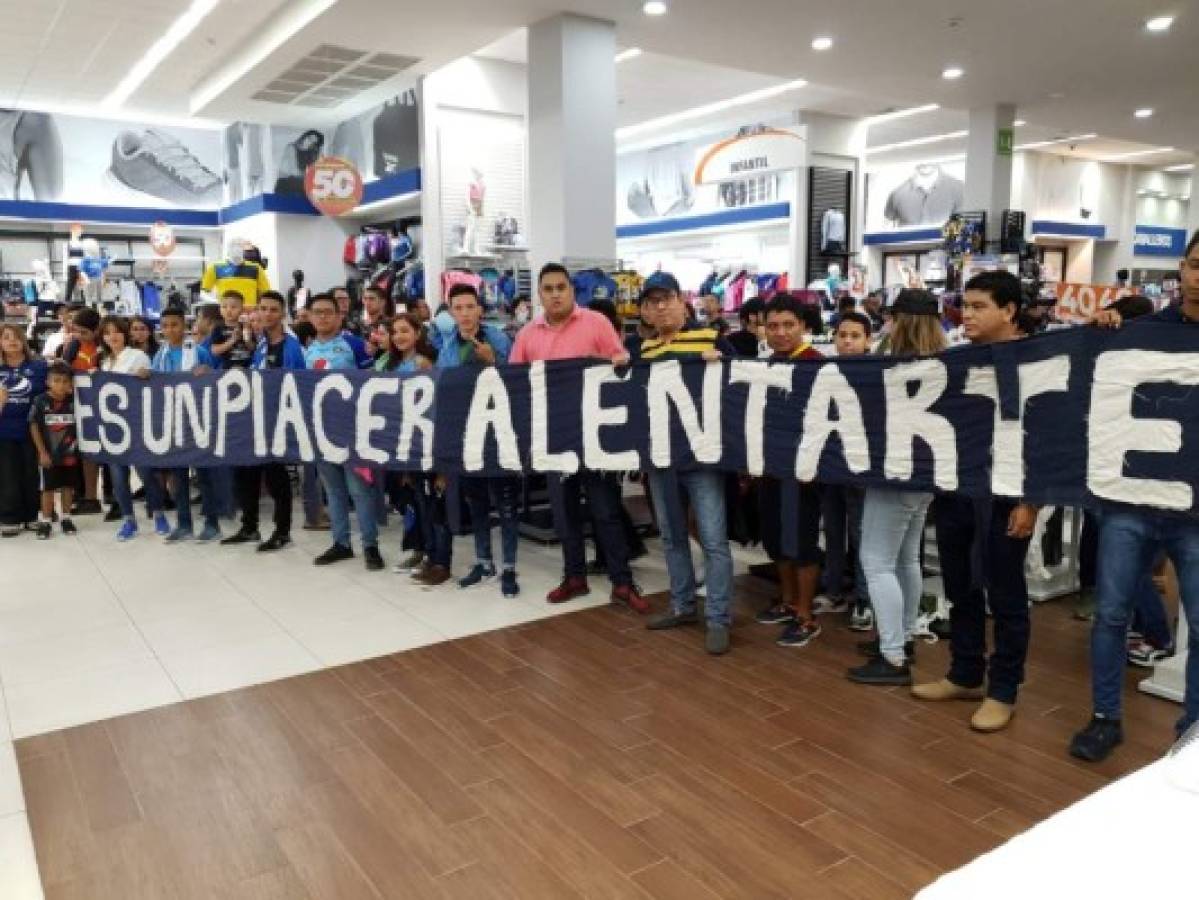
(572, 139)
(989, 172)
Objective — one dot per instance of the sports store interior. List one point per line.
(207, 721)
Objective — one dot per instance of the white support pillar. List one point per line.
(572, 139)
(989, 172)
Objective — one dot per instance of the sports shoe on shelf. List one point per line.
(1145, 655)
(776, 615)
(824, 604)
(508, 584)
(161, 526)
(128, 531)
(68, 527)
(409, 564)
(1095, 742)
(799, 633)
(334, 554)
(630, 595)
(480, 573)
(569, 589)
(157, 164)
(861, 617)
(43, 530)
(373, 559)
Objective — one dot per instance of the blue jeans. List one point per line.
(342, 483)
(1128, 543)
(210, 501)
(705, 490)
(310, 488)
(842, 512)
(123, 495)
(892, 524)
(503, 495)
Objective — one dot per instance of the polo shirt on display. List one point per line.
(584, 335)
(689, 343)
(915, 204)
(248, 279)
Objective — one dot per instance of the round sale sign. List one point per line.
(333, 185)
(162, 239)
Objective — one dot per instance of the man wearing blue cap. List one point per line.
(704, 488)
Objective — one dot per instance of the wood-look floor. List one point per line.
(580, 756)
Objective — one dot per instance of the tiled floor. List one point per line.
(91, 629)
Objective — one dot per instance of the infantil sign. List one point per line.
(752, 151)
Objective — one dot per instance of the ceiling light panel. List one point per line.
(1159, 23)
(918, 142)
(331, 75)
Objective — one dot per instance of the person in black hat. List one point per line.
(982, 544)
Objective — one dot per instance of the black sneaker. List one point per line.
(86, 508)
(1097, 740)
(243, 536)
(672, 620)
(509, 586)
(42, 530)
(114, 514)
(374, 560)
(334, 554)
(776, 615)
(880, 671)
(871, 650)
(799, 633)
(276, 541)
(68, 527)
(480, 573)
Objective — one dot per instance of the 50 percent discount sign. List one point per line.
(333, 185)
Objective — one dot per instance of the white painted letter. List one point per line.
(229, 402)
(542, 459)
(110, 416)
(760, 376)
(830, 387)
(367, 422)
(291, 415)
(596, 416)
(338, 384)
(490, 410)
(666, 387)
(417, 400)
(909, 418)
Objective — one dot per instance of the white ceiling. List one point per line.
(1094, 53)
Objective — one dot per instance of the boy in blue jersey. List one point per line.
(180, 353)
(276, 350)
(331, 351)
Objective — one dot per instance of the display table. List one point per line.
(1126, 840)
(1169, 675)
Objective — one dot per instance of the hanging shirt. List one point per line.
(249, 279)
(832, 228)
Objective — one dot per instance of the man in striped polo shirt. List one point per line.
(704, 488)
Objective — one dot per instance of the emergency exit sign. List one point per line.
(1005, 140)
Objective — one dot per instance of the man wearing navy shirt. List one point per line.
(1129, 539)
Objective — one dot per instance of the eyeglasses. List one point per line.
(660, 300)
(322, 312)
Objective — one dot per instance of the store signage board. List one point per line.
(758, 151)
(1082, 302)
(1005, 140)
(333, 185)
(1152, 240)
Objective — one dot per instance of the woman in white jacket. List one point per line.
(119, 357)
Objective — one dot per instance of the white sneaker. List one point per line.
(824, 604)
(861, 618)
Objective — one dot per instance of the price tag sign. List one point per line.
(162, 239)
(333, 185)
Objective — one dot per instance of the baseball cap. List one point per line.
(660, 281)
(916, 302)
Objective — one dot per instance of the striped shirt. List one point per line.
(690, 343)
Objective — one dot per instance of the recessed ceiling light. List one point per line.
(1144, 112)
(1057, 95)
(1072, 139)
(626, 55)
(1159, 23)
(1137, 153)
(822, 43)
(1181, 167)
(918, 142)
(952, 73)
(1019, 123)
(654, 8)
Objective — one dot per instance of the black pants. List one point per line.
(605, 502)
(248, 480)
(19, 498)
(1006, 593)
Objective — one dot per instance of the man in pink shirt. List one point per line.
(564, 330)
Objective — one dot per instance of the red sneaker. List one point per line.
(630, 597)
(568, 590)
